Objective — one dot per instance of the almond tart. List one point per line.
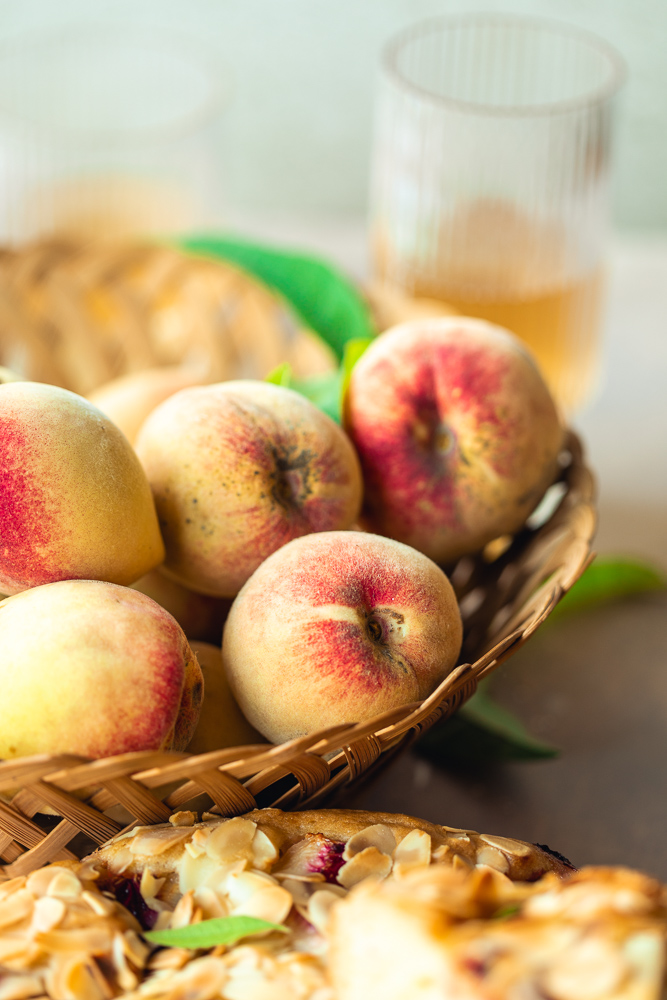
(73, 931)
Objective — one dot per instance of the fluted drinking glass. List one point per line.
(490, 180)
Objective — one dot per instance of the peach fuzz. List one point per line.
(106, 672)
(338, 627)
(129, 399)
(456, 431)
(74, 500)
(239, 469)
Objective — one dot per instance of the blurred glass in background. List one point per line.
(107, 130)
(490, 180)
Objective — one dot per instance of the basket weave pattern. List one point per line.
(55, 807)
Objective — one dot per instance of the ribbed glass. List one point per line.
(490, 181)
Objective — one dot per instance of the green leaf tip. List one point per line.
(211, 933)
(282, 375)
(609, 579)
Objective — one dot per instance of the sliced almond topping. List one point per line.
(369, 863)
(91, 940)
(135, 950)
(183, 913)
(65, 884)
(300, 891)
(75, 977)
(414, 851)
(512, 847)
(121, 860)
(263, 851)
(312, 877)
(461, 863)
(494, 858)
(99, 904)
(158, 840)
(272, 903)
(38, 882)
(232, 840)
(240, 886)
(149, 887)
(319, 908)
(16, 907)
(21, 986)
(11, 885)
(169, 958)
(589, 970)
(379, 836)
(211, 903)
(47, 914)
(127, 980)
(88, 871)
(442, 853)
(183, 818)
(195, 850)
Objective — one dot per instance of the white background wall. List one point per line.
(299, 126)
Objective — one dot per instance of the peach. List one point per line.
(221, 722)
(338, 627)
(74, 500)
(238, 469)
(457, 434)
(107, 671)
(129, 399)
(201, 617)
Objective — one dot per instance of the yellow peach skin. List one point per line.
(237, 470)
(338, 627)
(456, 431)
(221, 722)
(129, 399)
(94, 669)
(74, 500)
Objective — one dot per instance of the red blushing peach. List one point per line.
(74, 500)
(106, 671)
(338, 627)
(239, 469)
(457, 434)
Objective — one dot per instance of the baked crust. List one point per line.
(517, 859)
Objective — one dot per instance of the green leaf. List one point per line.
(209, 933)
(325, 299)
(282, 375)
(322, 390)
(606, 580)
(487, 714)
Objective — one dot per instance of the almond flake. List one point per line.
(272, 904)
(461, 863)
(319, 908)
(379, 836)
(149, 887)
(232, 840)
(414, 851)
(369, 863)
(65, 883)
(182, 915)
(589, 970)
(493, 858)
(90, 940)
(169, 958)
(512, 847)
(16, 908)
(20, 987)
(183, 818)
(158, 840)
(242, 885)
(11, 885)
(211, 902)
(99, 904)
(47, 914)
(263, 851)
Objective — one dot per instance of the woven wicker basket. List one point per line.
(58, 807)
